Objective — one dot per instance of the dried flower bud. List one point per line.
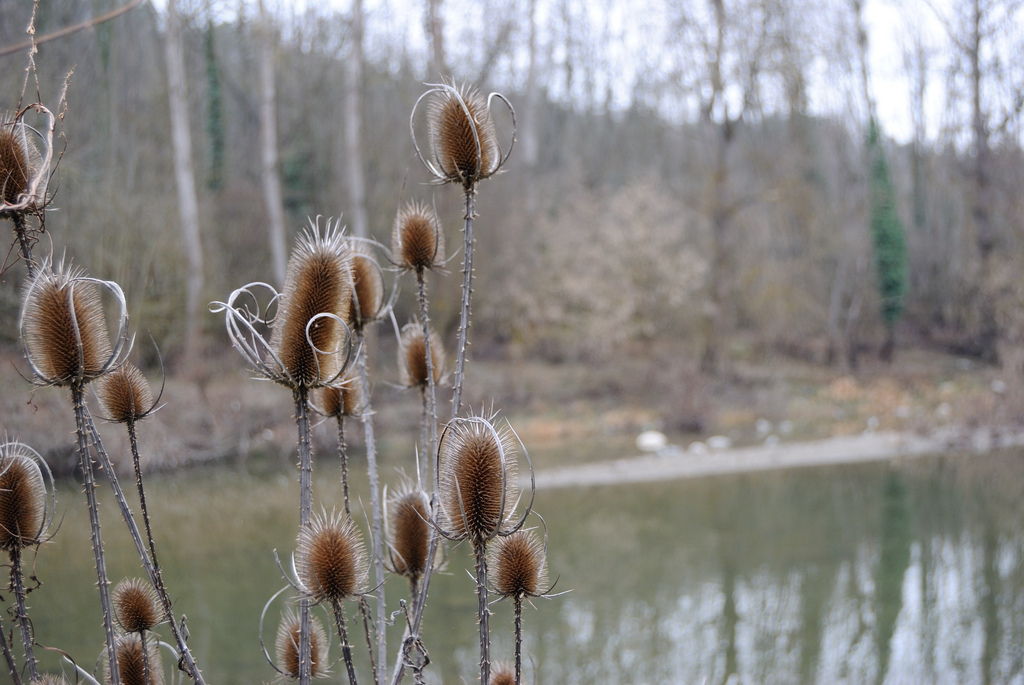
(367, 291)
(318, 289)
(124, 394)
(412, 356)
(331, 561)
(288, 646)
(344, 400)
(20, 163)
(22, 497)
(132, 664)
(417, 239)
(502, 674)
(63, 327)
(477, 474)
(517, 565)
(136, 607)
(462, 135)
(409, 532)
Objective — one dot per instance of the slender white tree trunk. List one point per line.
(268, 150)
(353, 127)
(188, 205)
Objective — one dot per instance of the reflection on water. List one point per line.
(901, 573)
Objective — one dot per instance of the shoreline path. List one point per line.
(679, 464)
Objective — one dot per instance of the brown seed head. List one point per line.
(367, 291)
(288, 646)
(412, 356)
(408, 516)
(319, 281)
(331, 561)
(49, 679)
(517, 565)
(462, 135)
(502, 674)
(64, 330)
(344, 400)
(22, 498)
(20, 162)
(417, 240)
(124, 394)
(132, 665)
(136, 607)
(477, 475)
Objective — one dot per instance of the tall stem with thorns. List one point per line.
(25, 243)
(12, 667)
(301, 396)
(467, 294)
(18, 586)
(103, 584)
(430, 420)
(343, 459)
(483, 613)
(346, 648)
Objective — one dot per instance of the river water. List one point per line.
(903, 572)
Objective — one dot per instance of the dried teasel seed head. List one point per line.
(136, 607)
(409, 532)
(344, 399)
(462, 135)
(517, 565)
(288, 646)
(22, 497)
(331, 560)
(319, 282)
(367, 291)
(20, 162)
(132, 665)
(502, 674)
(412, 356)
(63, 327)
(49, 679)
(417, 240)
(124, 394)
(477, 477)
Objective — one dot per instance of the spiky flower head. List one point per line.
(412, 356)
(368, 289)
(417, 240)
(344, 398)
(49, 679)
(477, 478)
(136, 657)
(21, 167)
(63, 326)
(517, 565)
(288, 646)
(136, 607)
(331, 560)
(309, 335)
(502, 674)
(124, 394)
(409, 532)
(23, 500)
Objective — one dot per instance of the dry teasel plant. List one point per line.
(137, 611)
(138, 662)
(464, 149)
(26, 512)
(476, 481)
(25, 156)
(408, 534)
(341, 401)
(422, 364)
(290, 661)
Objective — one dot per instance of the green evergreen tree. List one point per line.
(888, 238)
(214, 115)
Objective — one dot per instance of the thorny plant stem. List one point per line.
(21, 229)
(301, 396)
(145, 658)
(18, 586)
(427, 457)
(483, 613)
(467, 293)
(343, 458)
(346, 648)
(81, 430)
(364, 611)
(136, 462)
(378, 539)
(518, 602)
(186, 661)
(5, 647)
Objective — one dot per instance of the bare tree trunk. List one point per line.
(188, 206)
(353, 127)
(531, 143)
(435, 30)
(268, 150)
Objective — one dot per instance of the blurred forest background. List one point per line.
(702, 178)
